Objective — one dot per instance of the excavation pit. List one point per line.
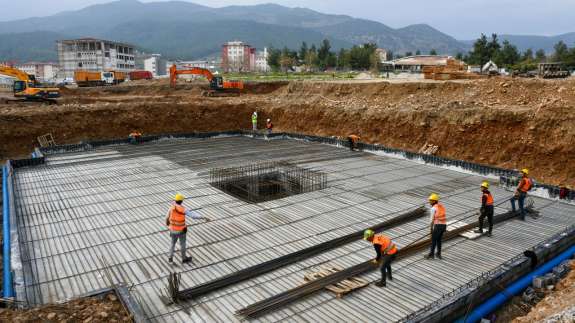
(266, 181)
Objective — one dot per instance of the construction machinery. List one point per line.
(218, 87)
(89, 78)
(27, 89)
(552, 71)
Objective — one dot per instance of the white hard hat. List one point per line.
(255, 112)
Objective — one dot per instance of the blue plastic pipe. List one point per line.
(7, 291)
(515, 288)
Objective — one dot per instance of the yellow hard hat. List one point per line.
(525, 171)
(179, 197)
(434, 197)
(368, 234)
(485, 184)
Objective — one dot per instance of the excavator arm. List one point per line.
(174, 72)
(14, 72)
(218, 87)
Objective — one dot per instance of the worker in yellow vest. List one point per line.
(438, 225)
(176, 222)
(385, 251)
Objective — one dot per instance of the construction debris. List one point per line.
(340, 288)
(429, 149)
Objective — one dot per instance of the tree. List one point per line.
(286, 59)
(479, 55)
(540, 55)
(343, 59)
(360, 56)
(508, 55)
(493, 46)
(311, 59)
(561, 51)
(303, 51)
(527, 55)
(459, 56)
(374, 63)
(418, 52)
(323, 54)
(408, 54)
(274, 58)
(432, 52)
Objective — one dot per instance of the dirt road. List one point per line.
(512, 123)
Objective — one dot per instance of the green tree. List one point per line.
(527, 55)
(323, 54)
(286, 60)
(303, 51)
(360, 56)
(311, 60)
(274, 58)
(540, 55)
(408, 54)
(374, 63)
(508, 55)
(459, 56)
(480, 54)
(432, 52)
(561, 52)
(418, 52)
(493, 46)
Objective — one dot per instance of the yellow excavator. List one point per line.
(27, 89)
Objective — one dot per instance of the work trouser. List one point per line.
(351, 144)
(254, 126)
(386, 267)
(487, 211)
(521, 200)
(436, 236)
(178, 235)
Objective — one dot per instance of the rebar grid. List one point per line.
(267, 181)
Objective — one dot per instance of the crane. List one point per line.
(27, 88)
(218, 87)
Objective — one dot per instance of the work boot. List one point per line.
(186, 260)
(389, 276)
(430, 256)
(478, 231)
(380, 283)
(171, 260)
(439, 257)
(489, 234)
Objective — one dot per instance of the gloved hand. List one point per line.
(185, 230)
(375, 261)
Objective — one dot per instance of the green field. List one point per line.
(289, 76)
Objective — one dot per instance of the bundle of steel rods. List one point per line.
(291, 258)
(280, 300)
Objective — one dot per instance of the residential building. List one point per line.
(152, 63)
(43, 72)
(238, 56)
(261, 64)
(95, 55)
(6, 82)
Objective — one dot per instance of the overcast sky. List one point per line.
(463, 19)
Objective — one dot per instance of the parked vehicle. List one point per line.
(89, 78)
(140, 75)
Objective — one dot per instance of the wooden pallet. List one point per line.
(341, 288)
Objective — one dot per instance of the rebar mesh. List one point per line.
(267, 181)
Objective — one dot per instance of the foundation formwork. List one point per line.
(92, 219)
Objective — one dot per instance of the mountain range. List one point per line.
(184, 30)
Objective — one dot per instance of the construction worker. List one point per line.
(386, 252)
(255, 121)
(134, 137)
(525, 185)
(353, 141)
(176, 222)
(486, 209)
(269, 126)
(438, 225)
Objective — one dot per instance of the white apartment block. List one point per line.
(43, 72)
(95, 55)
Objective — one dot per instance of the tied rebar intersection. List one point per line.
(266, 181)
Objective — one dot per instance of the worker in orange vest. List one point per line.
(269, 126)
(176, 222)
(525, 185)
(438, 225)
(385, 250)
(134, 137)
(486, 209)
(353, 141)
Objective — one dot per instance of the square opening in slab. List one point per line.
(267, 181)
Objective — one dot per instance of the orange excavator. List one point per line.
(218, 87)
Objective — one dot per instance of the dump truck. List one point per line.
(140, 75)
(91, 78)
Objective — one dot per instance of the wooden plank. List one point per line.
(341, 288)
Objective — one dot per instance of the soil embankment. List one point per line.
(510, 123)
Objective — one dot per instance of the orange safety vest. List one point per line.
(354, 138)
(439, 216)
(177, 218)
(387, 247)
(525, 184)
(489, 199)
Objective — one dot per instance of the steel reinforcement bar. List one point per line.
(282, 299)
(291, 258)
